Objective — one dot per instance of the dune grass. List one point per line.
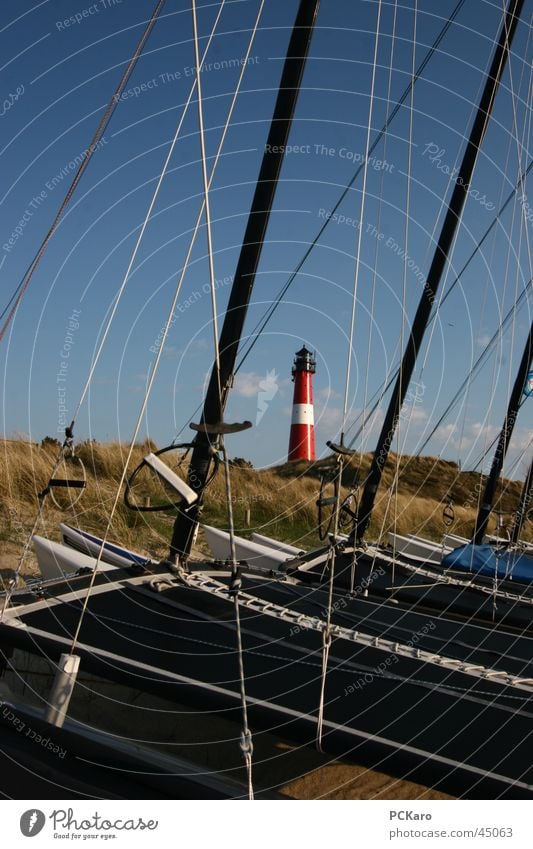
(278, 502)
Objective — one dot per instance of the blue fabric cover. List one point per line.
(483, 560)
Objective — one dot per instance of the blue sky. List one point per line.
(61, 62)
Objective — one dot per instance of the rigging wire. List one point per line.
(514, 135)
(168, 324)
(378, 223)
(524, 229)
(442, 294)
(382, 390)
(326, 644)
(360, 229)
(262, 323)
(69, 431)
(206, 204)
(396, 478)
(260, 326)
(86, 157)
(521, 148)
(513, 311)
(246, 743)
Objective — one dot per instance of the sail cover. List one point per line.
(486, 560)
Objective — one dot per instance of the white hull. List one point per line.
(418, 547)
(276, 545)
(454, 541)
(527, 546)
(56, 561)
(256, 555)
(88, 544)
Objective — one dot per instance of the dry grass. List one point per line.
(281, 501)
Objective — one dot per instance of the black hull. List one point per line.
(82, 764)
(465, 734)
(375, 578)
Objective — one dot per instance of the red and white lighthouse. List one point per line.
(302, 438)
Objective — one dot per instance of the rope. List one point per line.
(86, 157)
(144, 224)
(326, 637)
(314, 623)
(361, 218)
(169, 320)
(155, 365)
(378, 226)
(256, 332)
(396, 479)
(522, 221)
(407, 211)
(454, 240)
(326, 634)
(112, 315)
(262, 323)
(206, 204)
(520, 147)
(246, 743)
(479, 244)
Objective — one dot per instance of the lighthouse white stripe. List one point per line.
(303, 414)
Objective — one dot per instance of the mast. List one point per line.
(186, 523)
(506, 432)
(440, 258)
(523, 507)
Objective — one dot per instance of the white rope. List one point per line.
(361, 217)
(155, 365)
(314, 623)
(184, 269)
(331, 558)
(246, 743)
(398, 435)
(407, 211)
(207, 206)
(115, 305)
(144, 224)
(326, 645)
(378, 242)
(521, 148)
(451, 182)
(490, 263)
(449, 264)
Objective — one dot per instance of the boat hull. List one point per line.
(180, 644)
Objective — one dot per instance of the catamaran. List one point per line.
(268, 635)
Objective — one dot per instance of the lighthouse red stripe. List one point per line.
(302, 442)
(303, 388)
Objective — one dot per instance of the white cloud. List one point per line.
(445, 433)
(247, 384)
(326, 393)
(416, 414)
(329, 418)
